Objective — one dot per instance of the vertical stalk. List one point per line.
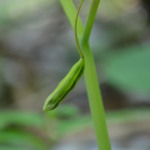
(71, 12)
(92, 84)
(95, 100)
(90, 20)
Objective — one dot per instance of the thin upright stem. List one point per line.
(95, 100)
(90, 20)
(92, 84)
(75, 31)
(91, 79)
(71, 12)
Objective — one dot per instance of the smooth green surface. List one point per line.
(91, 80)
(92, 84)
(75, 31)
(90, 20)
(71, 12)
(70, 80)
(129, 69)
(95, 99)
(65, 86)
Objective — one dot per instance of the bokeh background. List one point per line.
(37, 49)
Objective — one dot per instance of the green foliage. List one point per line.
(129, 69)
(70, 80)
(20, 118)
(127, 115)
(29, 130)
(91, 80)
(22, 138)
(17, 131)
(64, 120)
(14, 148)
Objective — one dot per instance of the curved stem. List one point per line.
(75, 31)
(91, 80)
(71, 12)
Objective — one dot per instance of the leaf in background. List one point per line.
(64, 120)
(129, 69)
(14, 148)
(21, 138)
(22, 130)
(19, 118)
(128, 115)
(67, 111)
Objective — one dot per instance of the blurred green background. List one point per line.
(37, 49)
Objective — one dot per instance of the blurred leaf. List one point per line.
(19, 118)
(68, 110)
(65, 119)
(21, 138)
(14, 148)
(115, 117)
(128, 115)
(64, 111)
(129, 69)
(79, 123)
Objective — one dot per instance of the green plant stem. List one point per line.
(71, 13)
(92, 84)
(75, 31)
(90, 20)
(95, 99)
(91, 80)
